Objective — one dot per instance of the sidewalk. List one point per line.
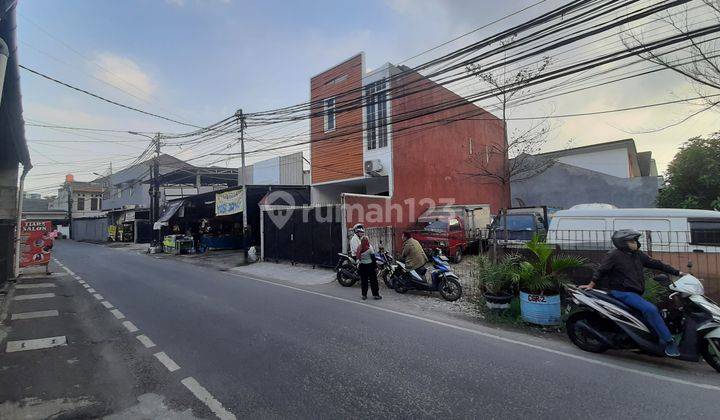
(295, 274)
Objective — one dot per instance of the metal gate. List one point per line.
(93, 230)
(307, 235)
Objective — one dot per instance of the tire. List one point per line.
(580, 338)
(398, 286)
(450, 289)
(709, 354)
(387, 280)
(458, 256)
(344, 280)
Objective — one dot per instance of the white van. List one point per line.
(590, 226)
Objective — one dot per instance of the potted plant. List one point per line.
(540, 280)
(496, 280)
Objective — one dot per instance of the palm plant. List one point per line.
(545, 274)
(497, 279)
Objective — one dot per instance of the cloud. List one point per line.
(125, 73)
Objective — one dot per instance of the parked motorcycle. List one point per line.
(386, 266)
(346, 270)
(442, 279)
(599, 322)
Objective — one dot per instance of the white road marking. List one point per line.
(106, 304)
(118, 314)
(203, 395)
(34, 296)
(77, 277)
(98, 296)
(85, 285)
(81, 281)
(90, 290)
(493, 336)
(35, 344)
(146, 341)
(34, 286)
(130, 326)
(34, 314)
(167, 361)
(69, 271)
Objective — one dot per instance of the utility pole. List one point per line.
(70, 207)
(241, 119)
(156, 185)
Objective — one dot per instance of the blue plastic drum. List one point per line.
(540, 309)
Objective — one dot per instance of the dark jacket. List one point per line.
(623, 271)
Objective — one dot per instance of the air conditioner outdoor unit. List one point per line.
(374, 167)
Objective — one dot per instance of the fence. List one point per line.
(308, 235)
(90, 229)
(700, 248)
(382, 236)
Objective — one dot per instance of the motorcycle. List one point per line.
(386, 266)
(442, 279)
(599, 322)
(346, 270)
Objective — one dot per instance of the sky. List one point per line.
(199, 61)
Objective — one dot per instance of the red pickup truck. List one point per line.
(453, 229)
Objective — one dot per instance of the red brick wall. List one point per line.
(337, 154)
(434, 160)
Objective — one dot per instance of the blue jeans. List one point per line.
(649, 311)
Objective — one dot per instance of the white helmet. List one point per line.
(358, 228)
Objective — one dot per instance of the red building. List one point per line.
(395, 142)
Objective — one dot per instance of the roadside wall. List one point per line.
(563, 186)
(90, 229)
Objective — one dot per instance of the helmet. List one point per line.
(621, 237)
(358, 228)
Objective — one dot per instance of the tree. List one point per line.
(693, 176)
(698, 60)
(517, 149)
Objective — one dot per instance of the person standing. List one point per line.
(366, 265)
(355, 239)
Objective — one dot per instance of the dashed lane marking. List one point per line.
(130, 326)
(34, 314)
(118, 314)
(36, 344)
(77, 277)
(98, 296)
(167, 361)
(34, 286)
(203, 395)
(69, 271)
(85, 285)
(146, 341)
(81, 281)
(91, 290)
(106, 304)
(34, 296)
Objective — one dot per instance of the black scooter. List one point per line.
(599, 322)
(346, 270)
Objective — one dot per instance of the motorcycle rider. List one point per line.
(413, 254)
(622, 273)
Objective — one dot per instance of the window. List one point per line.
(329, 114)
(94, 203)
(376, 113)
(705, 233)
(81, 203)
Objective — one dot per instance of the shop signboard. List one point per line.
(229, 202)
(36, 242)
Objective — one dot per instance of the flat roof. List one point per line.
(639, 212)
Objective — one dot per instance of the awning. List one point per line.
(169, 212)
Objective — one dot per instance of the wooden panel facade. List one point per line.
(337, 154)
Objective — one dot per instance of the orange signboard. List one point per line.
(36, 242)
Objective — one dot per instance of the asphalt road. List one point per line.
(264, 350)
